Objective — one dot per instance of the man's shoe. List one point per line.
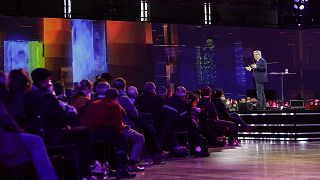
(135, 168)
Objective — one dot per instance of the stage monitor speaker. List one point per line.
(297, 104)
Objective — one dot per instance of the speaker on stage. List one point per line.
(271, 94)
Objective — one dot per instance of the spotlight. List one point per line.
(301, 7)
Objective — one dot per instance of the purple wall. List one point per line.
(296, 50)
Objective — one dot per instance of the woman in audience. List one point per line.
(19, 83)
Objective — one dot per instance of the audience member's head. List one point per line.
(19, 81)
(132, 92)
(85, 88)
(149, 87)
(219, 92)
(206, 91)
(193, 99)
(198, 92)
(85, 84)
(253, 100)
(112, 93)
(107, 77)
(120, 84)
(181, 91)
(59, 88)
(161, 91)
(243, 100)
(41, 78)
(102, 88)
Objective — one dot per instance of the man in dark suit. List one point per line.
(259, 70)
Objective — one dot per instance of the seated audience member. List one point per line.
(208, 108)
(148, 106)
(60, 92)
(17, 147)
(103, 117)
(175, 117)
(82, 94)
(205, 128)
(47, 118)
(135, 138)
(19, 84)
(223, 113)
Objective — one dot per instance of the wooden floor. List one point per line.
(253, 160)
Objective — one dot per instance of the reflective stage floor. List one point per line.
(253, 160)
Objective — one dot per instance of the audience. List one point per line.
(121, 118)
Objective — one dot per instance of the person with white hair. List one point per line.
(260, 74)
(132, 93)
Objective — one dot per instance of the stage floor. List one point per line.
(253, 160)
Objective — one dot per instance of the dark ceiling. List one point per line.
(261, 13)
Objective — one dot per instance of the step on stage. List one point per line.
(297, 125)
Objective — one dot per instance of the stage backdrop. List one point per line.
(169, 54)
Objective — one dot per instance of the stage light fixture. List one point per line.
(299, 4)
(301, 7)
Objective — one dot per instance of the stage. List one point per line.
(253, 160)
(282, 125)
